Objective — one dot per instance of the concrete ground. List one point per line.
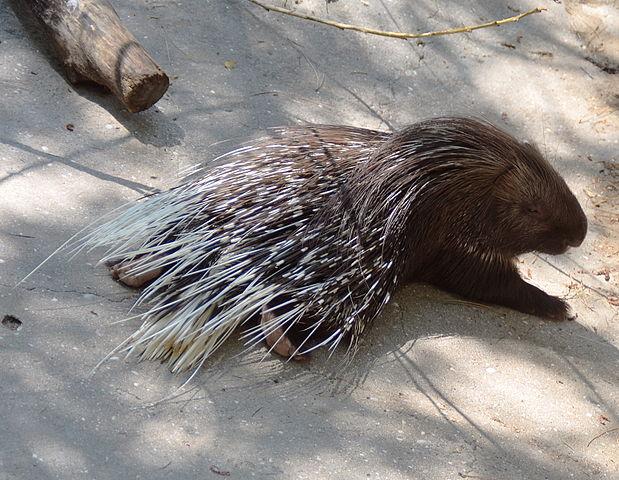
(441, 389)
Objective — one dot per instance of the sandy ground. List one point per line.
(441, 389)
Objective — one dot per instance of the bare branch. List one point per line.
(400, 35)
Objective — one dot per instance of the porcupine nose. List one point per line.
(580, 232)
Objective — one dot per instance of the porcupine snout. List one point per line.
(576, 230)
(580, 232)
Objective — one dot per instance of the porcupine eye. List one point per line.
(543, 233)
(533, 225)
(532, 210)
(538, 219)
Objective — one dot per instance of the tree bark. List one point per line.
(94, 46)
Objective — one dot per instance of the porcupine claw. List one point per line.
(278, 342)
(119, 272)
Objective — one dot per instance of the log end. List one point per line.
(143, 92)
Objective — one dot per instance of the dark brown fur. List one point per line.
(487, 199)
(315, 227)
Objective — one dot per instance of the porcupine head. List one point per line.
(477, 198)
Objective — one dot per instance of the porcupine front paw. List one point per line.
(553, 308)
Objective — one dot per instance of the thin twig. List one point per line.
(466, 475)
(568, 445)
(400, 35)
(168, 399)
(467, 302)
(21, 235)
(601, 435)
(571, 277)
(299, 49)
(167, 48)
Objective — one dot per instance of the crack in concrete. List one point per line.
(76, 292)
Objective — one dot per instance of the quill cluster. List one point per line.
(317, 226)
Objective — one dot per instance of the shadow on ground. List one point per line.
(440, 389)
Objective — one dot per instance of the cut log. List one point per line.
(94, 46)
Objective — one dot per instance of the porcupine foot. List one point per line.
(119, 271)
(553, 308)
(278, 342)
(501, 284)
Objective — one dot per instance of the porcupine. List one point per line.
(315, 227)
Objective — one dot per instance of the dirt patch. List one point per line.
(11, 322)
(596, 22)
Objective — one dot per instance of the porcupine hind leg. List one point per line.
(499, 283)
(121, 271)
(277, 341)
